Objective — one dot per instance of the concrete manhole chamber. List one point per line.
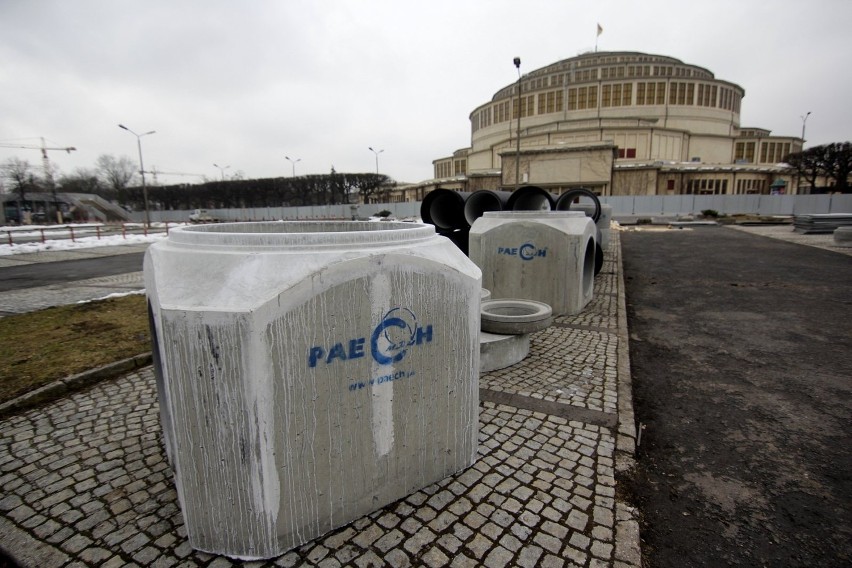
(547, 256)
(310, 373)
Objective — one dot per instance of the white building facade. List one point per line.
(660, 127)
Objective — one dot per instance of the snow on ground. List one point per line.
(79, 243)
(91, 240)
(114, 295)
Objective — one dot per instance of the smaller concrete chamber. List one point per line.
(537, 255)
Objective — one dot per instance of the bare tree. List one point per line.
(81, 181)
(116, 173)
(830, 161)
(837, 164)
(19, 175)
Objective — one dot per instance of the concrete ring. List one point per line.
(564, 201)
(512, 316)
(484, 294)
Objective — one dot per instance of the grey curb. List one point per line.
(62, 387)
(627, 539)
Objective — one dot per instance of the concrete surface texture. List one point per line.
(547, 256)
(330, 370)
(500, 351)
(86, 480)
(604, 222)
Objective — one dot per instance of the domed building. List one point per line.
(620, 123)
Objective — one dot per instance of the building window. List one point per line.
(627, 153)
(681, 93)
(619, 94)
(580, 98)
(750, 186)
(651, 93)
(460, 167)
(773, 152)
(501, 112)
(706, 95)
(744, 152)
(527, 106)
(670, 185)
(550, 102)
(442, 169)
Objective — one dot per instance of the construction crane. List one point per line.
(48, 173)
(154, 171)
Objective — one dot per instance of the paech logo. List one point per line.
(389, 342)
(526, 251)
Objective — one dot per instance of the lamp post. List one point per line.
(804, 120)
(293, 163)
(141, 170)
(518, 129)
(221, 169)
(376, 152)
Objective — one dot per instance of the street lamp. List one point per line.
(293, 162)
(517, 61)
(804, 120)
(221, 169)
(376, 152)
(141, 170)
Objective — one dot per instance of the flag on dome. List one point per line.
(600, 29)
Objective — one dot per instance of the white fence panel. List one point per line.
(622, 205)
(812, 204)
(841, 203)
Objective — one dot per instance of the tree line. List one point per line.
(117, 180)
(829, 162)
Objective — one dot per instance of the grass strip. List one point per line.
(40, 347)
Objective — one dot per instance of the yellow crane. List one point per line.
(48, 173)
(155, 171)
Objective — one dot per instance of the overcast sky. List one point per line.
(244, 84)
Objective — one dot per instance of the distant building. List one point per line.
(620, 123)
(41, 207)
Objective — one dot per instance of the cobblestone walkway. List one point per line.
(85, 480)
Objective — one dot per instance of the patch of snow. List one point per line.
(114, 295)
(79, 243)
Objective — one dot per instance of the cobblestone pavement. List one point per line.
(85, 480)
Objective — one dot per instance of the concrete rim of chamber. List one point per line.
(298, 234)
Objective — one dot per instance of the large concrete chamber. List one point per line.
(548, 256)
(310, 373)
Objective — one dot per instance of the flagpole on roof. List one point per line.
(600, 31)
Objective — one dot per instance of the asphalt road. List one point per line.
(44, 273)
(741, 353)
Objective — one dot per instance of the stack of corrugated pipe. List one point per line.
(453, 212)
